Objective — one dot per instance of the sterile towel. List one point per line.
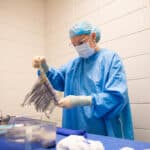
(75, 142)
(67, 132)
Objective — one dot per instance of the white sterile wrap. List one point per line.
(75, 142)
(126, 148)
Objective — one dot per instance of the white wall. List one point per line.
(40, 27)
(22, 36)
(125, 26)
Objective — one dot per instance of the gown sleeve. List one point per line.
(56, 77)
(114, 97)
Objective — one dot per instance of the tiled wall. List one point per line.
(40, 27)
(22, 36)
(125, 26)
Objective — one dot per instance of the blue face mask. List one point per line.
(84, 50)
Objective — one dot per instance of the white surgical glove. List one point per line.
(40, 61)
(72, 101)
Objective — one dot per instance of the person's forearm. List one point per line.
(80, 100)
(56, 79)
(72, 101)
(45, 67)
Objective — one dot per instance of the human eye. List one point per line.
(81, 42)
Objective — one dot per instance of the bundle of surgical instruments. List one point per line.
(42, 95)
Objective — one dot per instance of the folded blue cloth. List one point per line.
(67, 132)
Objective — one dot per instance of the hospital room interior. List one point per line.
(46, 75)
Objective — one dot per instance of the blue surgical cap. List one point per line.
(84, 28)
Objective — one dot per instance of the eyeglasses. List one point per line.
(79, 42)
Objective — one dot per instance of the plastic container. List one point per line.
(29, 130)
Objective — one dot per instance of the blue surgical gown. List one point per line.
(101, 76)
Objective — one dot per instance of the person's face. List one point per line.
(80, 39)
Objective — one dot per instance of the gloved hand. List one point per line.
(71, 101)
(40, 61)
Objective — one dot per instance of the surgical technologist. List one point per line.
(94, 84)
